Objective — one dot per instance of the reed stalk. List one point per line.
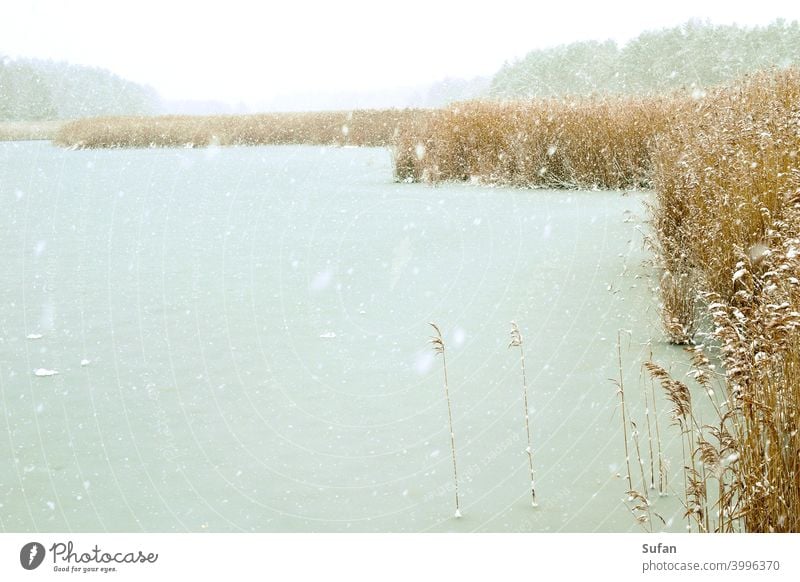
(619, 382)
(662, 473)
(516, 341)
(439, 347)
(652, 484)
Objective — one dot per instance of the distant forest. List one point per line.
(694, 55)
(34, 90)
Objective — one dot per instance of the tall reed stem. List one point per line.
(621, 387)
(649, 440)
(439, 348)
(662, 473)
(516, 341)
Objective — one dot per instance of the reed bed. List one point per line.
(727, 225)
(28, 130)
(724, 176)
(554, 143)
(357, 128)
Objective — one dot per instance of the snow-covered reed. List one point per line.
(437, 341)
(516, 342)
(727, 224)
(557, 143)
(28, 130)
(357, 128)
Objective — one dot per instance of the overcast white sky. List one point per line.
(234, 50)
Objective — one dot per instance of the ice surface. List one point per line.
(310, 433)
(321, 280)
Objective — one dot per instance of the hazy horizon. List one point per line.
(311, 55)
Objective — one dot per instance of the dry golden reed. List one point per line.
(359, 128)
(516, 342)
(561, 143)
(28, 130)
(437, 341)
(620, 384)
(724, 174)
(727, 224)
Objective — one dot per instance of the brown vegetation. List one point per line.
(28, 130)
(727, 223)
(562, 143)
(361, 128)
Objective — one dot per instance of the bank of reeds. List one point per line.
(724, 175)
(557, 143)
(727, 224)
(358, 128)
(28, 130)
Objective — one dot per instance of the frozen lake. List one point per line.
(240, 337)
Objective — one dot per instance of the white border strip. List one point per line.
(407, 557)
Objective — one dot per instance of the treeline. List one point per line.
(693, 55)
(35, 90)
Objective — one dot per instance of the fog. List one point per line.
(317, 55)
